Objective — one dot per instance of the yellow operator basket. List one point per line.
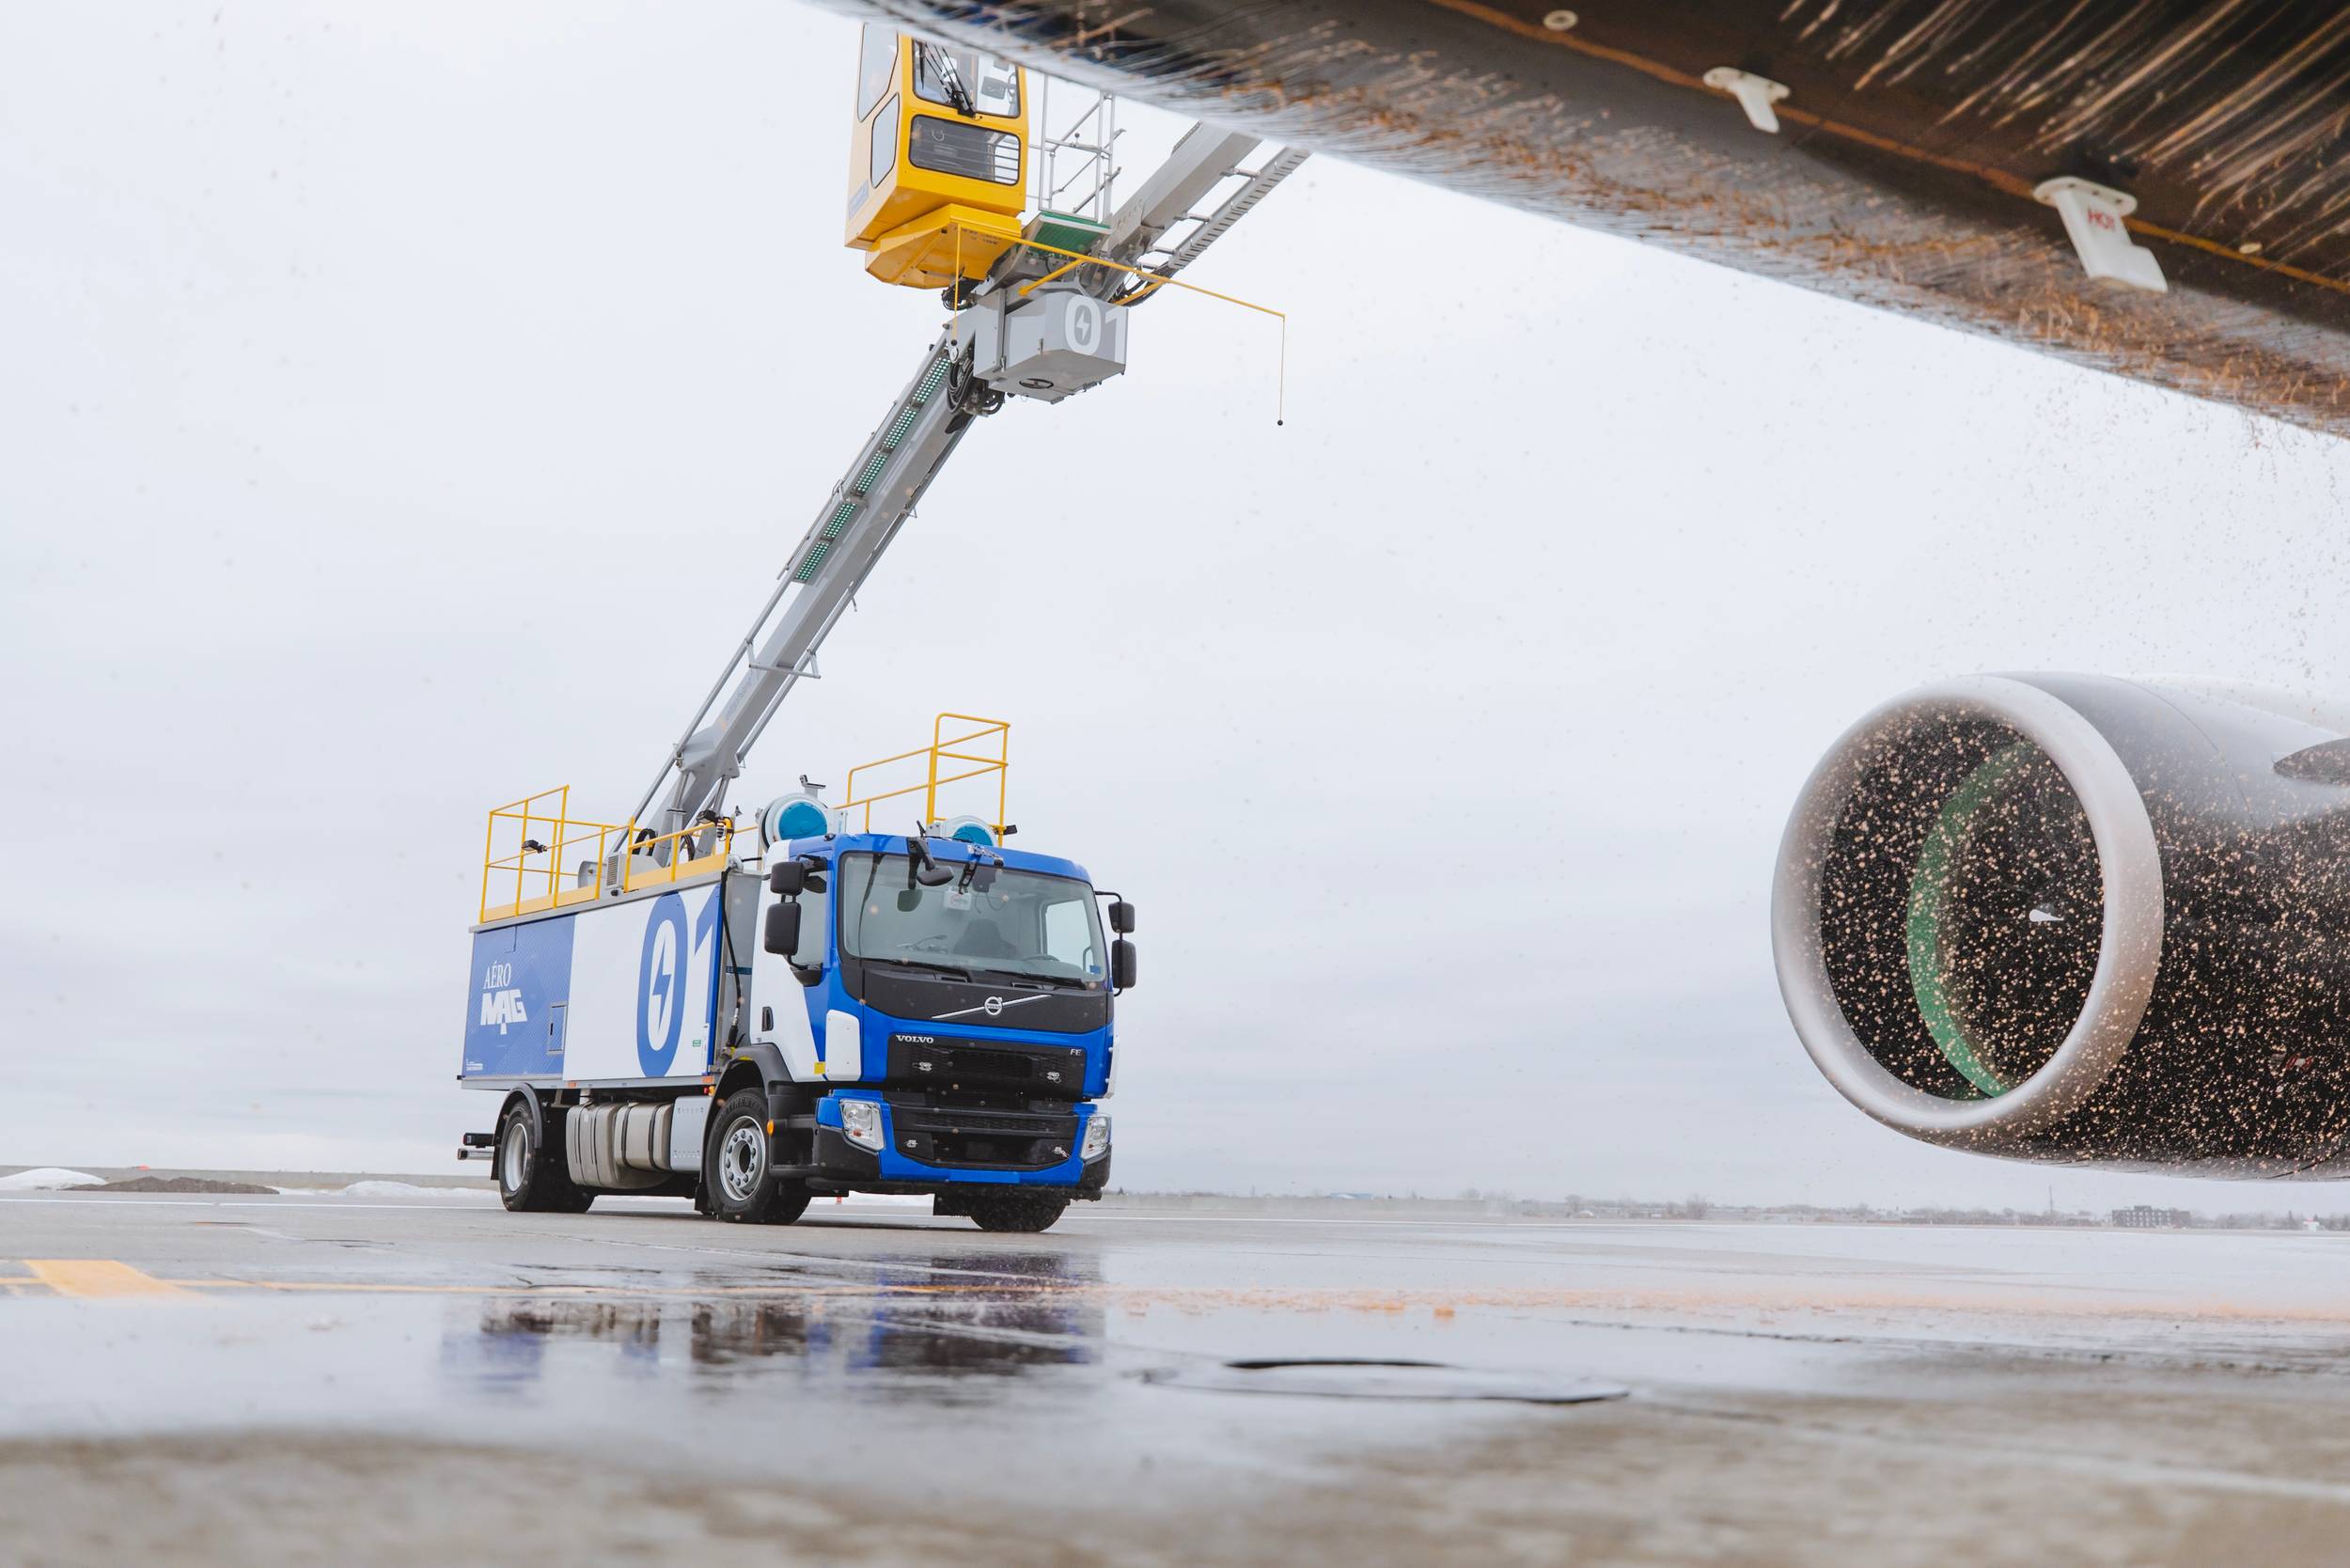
(938, 165)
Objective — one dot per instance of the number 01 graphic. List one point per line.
(662, 973)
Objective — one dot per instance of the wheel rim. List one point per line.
(743, 1160)
(514, 1156)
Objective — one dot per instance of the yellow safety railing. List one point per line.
(541, 835)
(644, 868)
(534, 844)
(987, 750)
(530, 851)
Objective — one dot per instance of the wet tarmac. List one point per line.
(397, 1379)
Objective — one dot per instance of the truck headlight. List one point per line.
(861, 1119)
(1097, 1141)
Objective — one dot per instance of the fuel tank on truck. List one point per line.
(2083, 920)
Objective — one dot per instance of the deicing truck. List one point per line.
(752, 1009)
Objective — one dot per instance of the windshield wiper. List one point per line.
(1057, 981)
(972, 972)
(958, 970)
(942, 66)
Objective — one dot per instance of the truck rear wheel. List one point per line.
(738, 1167)
(1029, 1212)
(533, 1177)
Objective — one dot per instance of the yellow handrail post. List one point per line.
(489, 843)
(929, 795)
(554, 848)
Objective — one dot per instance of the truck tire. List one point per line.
(532, 1175)
(738, 1167)
(1027, 1212)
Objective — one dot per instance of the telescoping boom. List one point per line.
(813, 1003)
(1014, 337)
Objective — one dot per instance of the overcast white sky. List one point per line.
(405, 410)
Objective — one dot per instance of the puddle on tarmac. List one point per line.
(899, 1325)
(1410, 1380)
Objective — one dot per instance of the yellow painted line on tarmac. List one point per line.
(626, 1293)
(99, 1278)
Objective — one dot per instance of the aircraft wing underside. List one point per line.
(1912, 137)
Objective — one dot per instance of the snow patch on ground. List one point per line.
(407, 1189)
(48, 1178)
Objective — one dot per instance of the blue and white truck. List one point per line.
(843, 1011)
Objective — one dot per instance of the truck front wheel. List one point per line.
(533, 1177)
(738, 1167)
(1029, 1212)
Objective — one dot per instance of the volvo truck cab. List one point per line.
(943, 1011)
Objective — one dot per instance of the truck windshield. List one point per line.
(1026, 924)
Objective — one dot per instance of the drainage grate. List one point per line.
(1349, 1379)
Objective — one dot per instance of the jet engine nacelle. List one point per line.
(2071, 917)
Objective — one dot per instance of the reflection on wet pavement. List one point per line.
(900, 1322)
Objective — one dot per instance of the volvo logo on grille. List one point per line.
(992, 1006)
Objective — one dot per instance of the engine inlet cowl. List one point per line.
(2079, 918)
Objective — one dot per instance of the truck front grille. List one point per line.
(981, 1139)
(948, 1063)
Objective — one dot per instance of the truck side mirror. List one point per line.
(1122, 965)
(783, 928)
(1121, 917)
(785, 878)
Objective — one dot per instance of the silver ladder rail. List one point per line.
(864, 512)
(1214, 225)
